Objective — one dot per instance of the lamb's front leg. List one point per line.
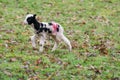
(42, 42)
(33, 39)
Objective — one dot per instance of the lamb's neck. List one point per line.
(36, 25)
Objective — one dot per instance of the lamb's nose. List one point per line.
(24, 22)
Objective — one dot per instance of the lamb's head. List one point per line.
(30, 18)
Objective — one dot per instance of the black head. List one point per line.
(30, 18)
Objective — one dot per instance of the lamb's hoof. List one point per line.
(53, 50)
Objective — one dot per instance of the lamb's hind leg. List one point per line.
(67, 42)
(56, 43)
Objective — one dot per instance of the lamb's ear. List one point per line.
(27, 13)
(34, 15)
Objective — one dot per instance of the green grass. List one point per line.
(91, 25)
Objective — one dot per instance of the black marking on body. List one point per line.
(45, 25)
(49, 31)
(50, 24)
(58, 28)
(44, 30)
(41, 25)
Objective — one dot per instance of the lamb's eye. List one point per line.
(28, 19)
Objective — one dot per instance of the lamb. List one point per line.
(43, 29)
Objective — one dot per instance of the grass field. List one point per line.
(93, 27)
